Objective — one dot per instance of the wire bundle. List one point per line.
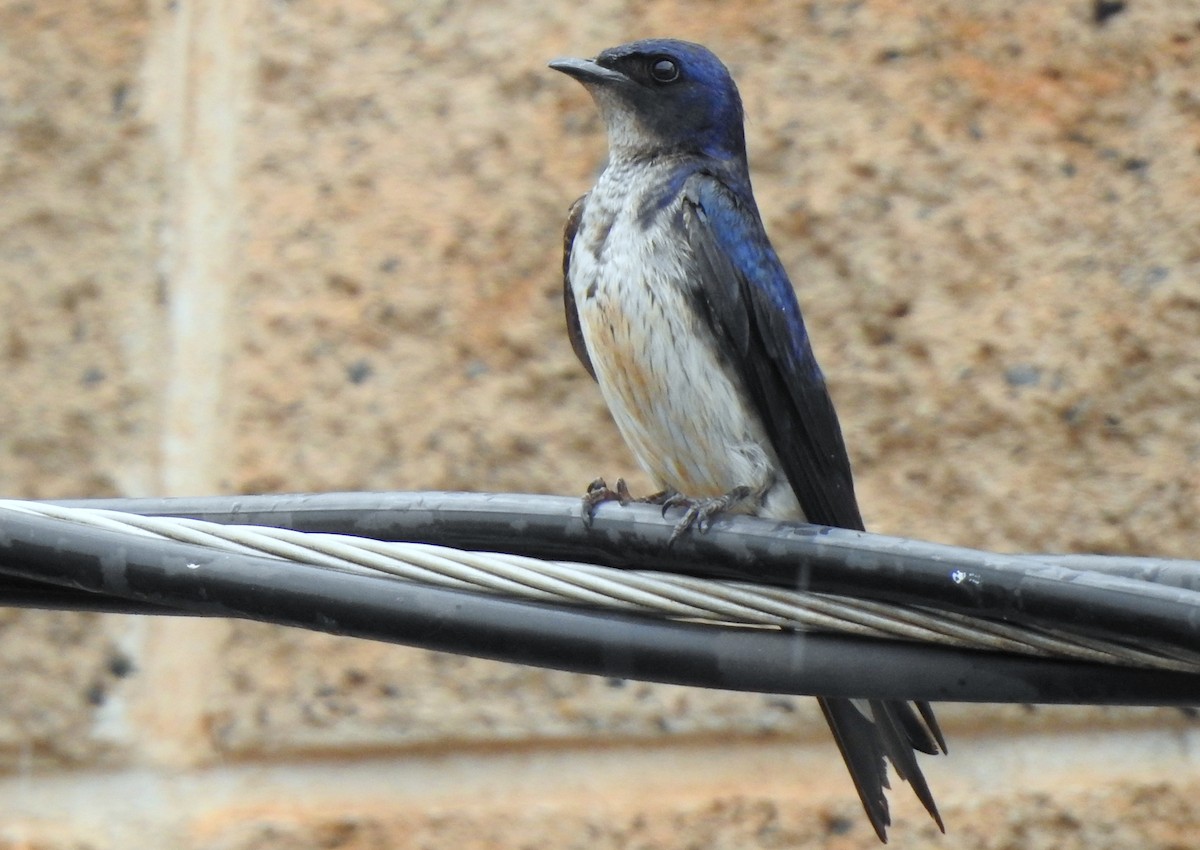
(521, 578)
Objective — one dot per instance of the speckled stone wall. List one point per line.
(256, 247)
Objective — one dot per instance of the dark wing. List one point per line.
(573, 330)
(743, 293)
(745, 296)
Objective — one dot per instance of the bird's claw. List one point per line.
(598, 492)
(700, 512)
(675, 500)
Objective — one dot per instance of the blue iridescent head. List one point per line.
(663, 96)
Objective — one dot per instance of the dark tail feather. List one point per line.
(931, 723)
(862, 750)
(899, 747)
(921, 731)
(893, 732)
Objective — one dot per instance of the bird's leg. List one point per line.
(700, 512)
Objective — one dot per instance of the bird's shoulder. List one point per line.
(738, 267)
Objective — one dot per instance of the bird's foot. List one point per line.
(598, 492)
(700, 512)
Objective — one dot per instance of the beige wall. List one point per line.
(264, 246)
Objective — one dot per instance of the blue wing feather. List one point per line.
(748, 301)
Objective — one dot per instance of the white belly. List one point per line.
(677, 406)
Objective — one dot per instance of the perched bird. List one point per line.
(680, 309)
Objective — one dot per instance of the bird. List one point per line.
(680, 309)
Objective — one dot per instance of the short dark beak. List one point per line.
(588, 72)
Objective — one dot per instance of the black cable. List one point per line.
(189, 578)
(1011, 588)
(16, 592)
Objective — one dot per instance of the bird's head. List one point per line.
(662, 96)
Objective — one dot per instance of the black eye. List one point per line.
(664, 71)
